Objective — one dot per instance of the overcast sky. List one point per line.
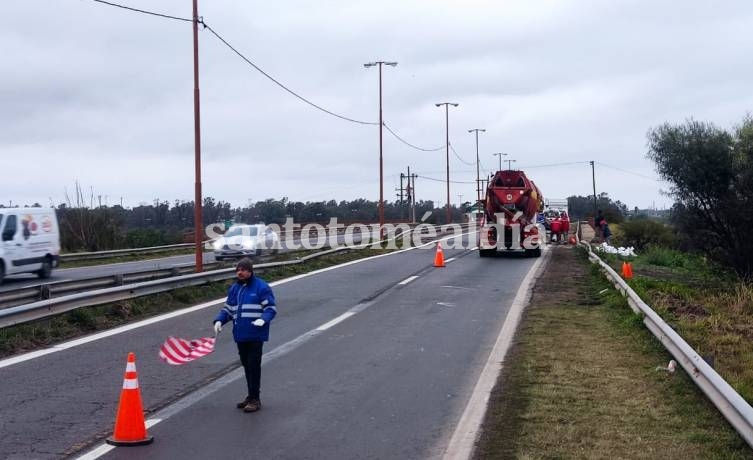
(102, 96)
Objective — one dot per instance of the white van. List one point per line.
(29, 241)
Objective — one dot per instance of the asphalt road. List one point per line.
(390, 381)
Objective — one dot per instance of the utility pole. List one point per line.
(447, 148)
(593, 178)
(199, 253)
(411, 194)
(478, 162)
(402, 176)
(381, 162)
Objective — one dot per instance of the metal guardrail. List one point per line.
(732, 406)
(48, 290)
(49, 307)
(76, 256)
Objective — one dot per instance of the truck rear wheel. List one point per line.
(533, 252)
(486, 252)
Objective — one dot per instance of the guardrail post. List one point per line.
(175, 271)
(44, 292)
(118, 279)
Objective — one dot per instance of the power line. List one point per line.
(630, 172)
(555, 164)
(408, 143)
(444, 181)
(144, 11)
(248, 61)
(458, 157)
(283, 86)
(206, 26)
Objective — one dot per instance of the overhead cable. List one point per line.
(285, 87)
(206, 26)
(443, 180)
(408, 143)
(458, 157)
(630, 172)
(144, 11)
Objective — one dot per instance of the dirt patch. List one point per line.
(581, 382)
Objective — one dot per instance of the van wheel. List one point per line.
(46, 269)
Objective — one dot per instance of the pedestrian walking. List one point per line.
(250, 305)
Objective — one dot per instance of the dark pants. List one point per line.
(250, 353)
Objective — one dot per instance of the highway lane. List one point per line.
(18, 281)
(61, 400)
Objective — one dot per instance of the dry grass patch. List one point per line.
(581, 382)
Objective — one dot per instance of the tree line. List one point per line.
(101, 228)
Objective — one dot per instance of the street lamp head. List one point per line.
(438, 105)
(369, 64)
(393, 64)
(454, 104)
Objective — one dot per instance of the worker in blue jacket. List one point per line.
(251, 306)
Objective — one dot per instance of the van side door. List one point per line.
(11, 246)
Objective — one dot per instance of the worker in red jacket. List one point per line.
(556, 229)
(565, 219)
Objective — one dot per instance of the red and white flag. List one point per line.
(180, 351)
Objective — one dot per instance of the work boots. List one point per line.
(252, 405)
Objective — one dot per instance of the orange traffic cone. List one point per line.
(130, 429)
(572, 240)
(629, 270)
(624, 271)
(439, 256)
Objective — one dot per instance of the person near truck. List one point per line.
(597, 223)
(250, 305)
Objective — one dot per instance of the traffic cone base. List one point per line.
(439, 256)
(130, 428)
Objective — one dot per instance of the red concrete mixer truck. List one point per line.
(511, 205)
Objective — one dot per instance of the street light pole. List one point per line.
(381, 161)
(199, 253)
(447, 148)
(478, 172)
(509, 164)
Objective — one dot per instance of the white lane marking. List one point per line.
(407, 280)
(447, 261)
(339, 319)
(91, 338)
(463, 439)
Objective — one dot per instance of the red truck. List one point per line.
(511, 204)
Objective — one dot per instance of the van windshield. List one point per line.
(248, 231)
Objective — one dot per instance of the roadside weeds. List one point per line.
(581, 381)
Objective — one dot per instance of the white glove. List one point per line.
(259, 322)
(217, 327)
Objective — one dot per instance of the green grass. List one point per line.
(581, 382)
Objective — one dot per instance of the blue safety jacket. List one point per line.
(247, 302)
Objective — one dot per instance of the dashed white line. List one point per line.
(407, 280)
(339, 319)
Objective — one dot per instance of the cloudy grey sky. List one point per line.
(104, 97)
